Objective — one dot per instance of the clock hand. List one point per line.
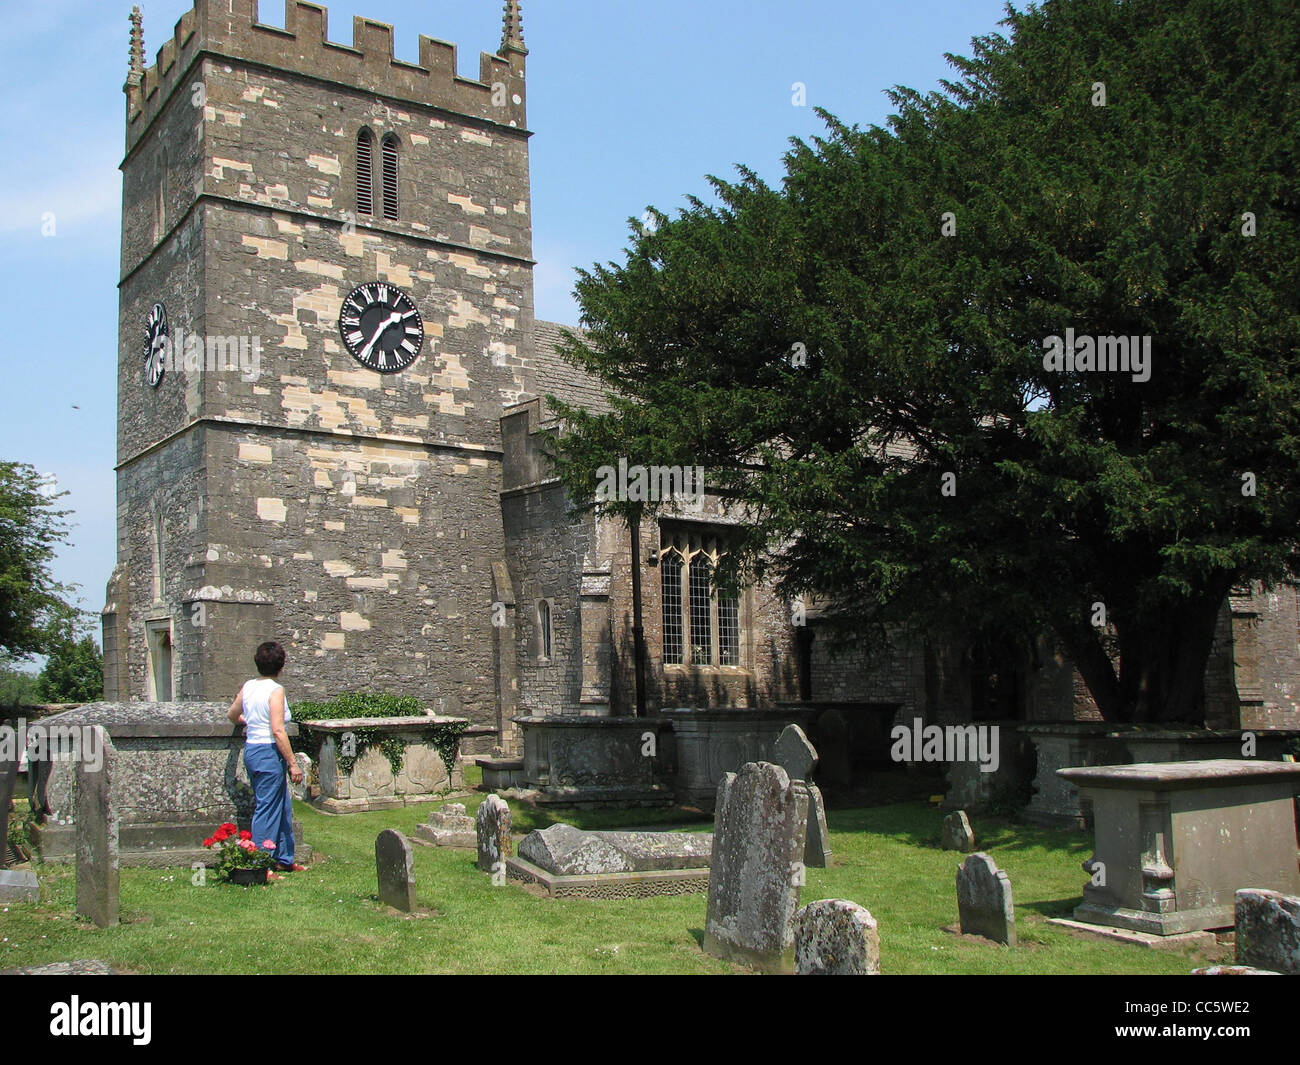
(392, 319)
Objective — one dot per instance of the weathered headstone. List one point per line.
(568, 851)
(798, 757)
(306, 788)
(492, 827)
(760, 824)
(96, 817)
(1268, 930)
(984, 900)
(836, 937)
(449, 826)
(395, 868)
(16, 885)
(794, 753)
(957, 833)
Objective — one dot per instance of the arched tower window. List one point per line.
(390, 146)
(365, 172)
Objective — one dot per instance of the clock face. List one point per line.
(381, 327)
(156, 333)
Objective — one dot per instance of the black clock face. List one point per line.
(155, 337)
(381, 327)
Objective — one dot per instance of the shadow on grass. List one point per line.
(921, 825)
(1052, 907)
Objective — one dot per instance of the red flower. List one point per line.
(245, 835)
(208, 842)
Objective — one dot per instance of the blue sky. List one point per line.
(631, 104)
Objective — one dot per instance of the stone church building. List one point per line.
(331, 412)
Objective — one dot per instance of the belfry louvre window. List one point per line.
(365, 172)
(390, 175)
(695, 614)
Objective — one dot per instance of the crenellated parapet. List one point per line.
(229, 30)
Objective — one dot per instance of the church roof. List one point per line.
(560, 378)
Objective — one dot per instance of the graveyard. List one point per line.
(328, 919)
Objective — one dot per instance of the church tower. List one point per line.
(326, 300)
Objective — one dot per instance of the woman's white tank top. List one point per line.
(257, 710)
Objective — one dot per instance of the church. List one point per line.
(361, 474)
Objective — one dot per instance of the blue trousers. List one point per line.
(272, 810)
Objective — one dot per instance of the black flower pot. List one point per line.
(248, 877)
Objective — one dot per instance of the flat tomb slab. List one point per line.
(1206, 772)
(634, 885)
(1138, 939)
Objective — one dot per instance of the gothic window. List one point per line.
(671, 585)
(365, 172)
(544, 628)
(390, 175)
(696, 614)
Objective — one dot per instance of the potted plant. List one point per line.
(239, 859)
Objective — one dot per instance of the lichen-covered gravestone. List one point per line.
(794, 753)
(984, 900)
(492, 827)
(957, 833)
(757, 868)
(98, 853)
(449, 826)
(836, 937)
(395, 867)
(1268, 930)
(568, 851)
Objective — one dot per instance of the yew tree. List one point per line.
(860, 357)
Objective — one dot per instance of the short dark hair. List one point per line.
(269, 659)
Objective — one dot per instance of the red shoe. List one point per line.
(273, 876)
(295, 868)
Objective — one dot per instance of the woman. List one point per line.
(261, 708)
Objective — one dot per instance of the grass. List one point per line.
(327, 920)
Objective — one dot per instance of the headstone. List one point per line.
(1268, 930)
(449, 826)
(568, 851)
(492, 827)
(16, 885)
(306, 788)
(798, 757)
(984, 900)
(957, 833)
(836, 937)
(794, 753)
(96, 820)
(833, 758)
(396, 870)
(760, 824)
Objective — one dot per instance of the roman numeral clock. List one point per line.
(381, 327)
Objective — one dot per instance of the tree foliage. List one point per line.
(73, 673)
(830, 355)
(35, 614)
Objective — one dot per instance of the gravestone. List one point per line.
(395, 868)
(15, 885)
(836, 937)
(984, 900)
(97, 829)
(1268, 930)
(306, 790)
(760, 824)
(448, 826)
(492, 827)
(794, 753)
(957, 833)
